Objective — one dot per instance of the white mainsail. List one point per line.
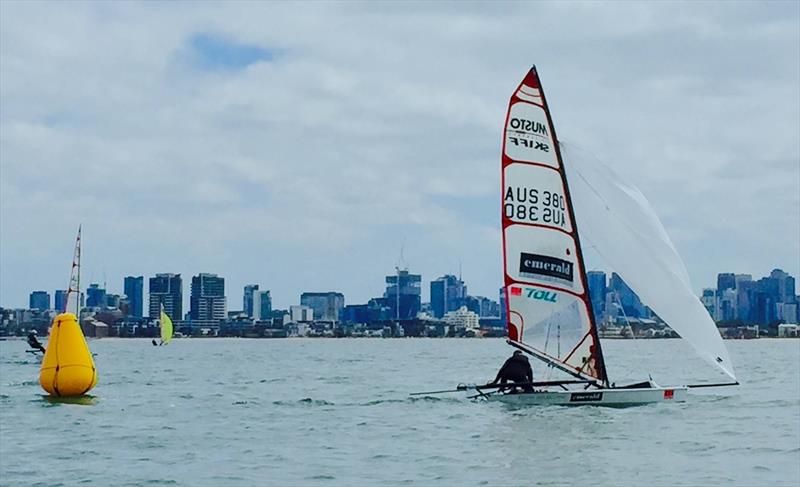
(548, 306)
(619, 223)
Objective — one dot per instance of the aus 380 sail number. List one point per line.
(530, 205)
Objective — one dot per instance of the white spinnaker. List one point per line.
(618, 222)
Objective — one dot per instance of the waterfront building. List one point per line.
(300, 313)
(786, 312)
(403, 294)
(166, 289)
(327, 306)
(262, 305)
(788, 330)
(134, 290)
(207, 301)
(95, 296)
(60, 303)
(247, 299)
(596, 281)
(462, 318)
(371, 312)
(39, 300)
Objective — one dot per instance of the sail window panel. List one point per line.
(554, 323)
(528, 136)
(535, 195)
(537, 255)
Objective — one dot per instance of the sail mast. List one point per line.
(601, 363)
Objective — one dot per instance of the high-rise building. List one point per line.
(596, 281)
(262, 305)
(403, 294)
(327, 306)
(61, 300)
(727, 304)
(166, 289)
(448, 293)
(247, 299)
(207, 301)
(785, 285)
(95, 296)
(726, 280)
(631, 304)
(134, 290)
(40, 300)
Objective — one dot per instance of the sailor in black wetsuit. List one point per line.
(517, 369)
(34, 343)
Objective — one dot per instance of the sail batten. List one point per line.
(545, 282)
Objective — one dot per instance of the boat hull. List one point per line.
(596, 397)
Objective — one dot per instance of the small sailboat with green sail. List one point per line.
(165, 323)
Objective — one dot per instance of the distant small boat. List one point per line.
(166, 326)
(548, 309)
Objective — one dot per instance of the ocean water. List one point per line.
(320, 412)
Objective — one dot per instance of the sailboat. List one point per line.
(548, 309)
(166, 326)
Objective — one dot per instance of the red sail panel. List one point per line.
(548, 305)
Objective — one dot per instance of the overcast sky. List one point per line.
(300, 146)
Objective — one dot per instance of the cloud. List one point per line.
(299, 149)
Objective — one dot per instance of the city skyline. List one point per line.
(270, 153)
(598, 282)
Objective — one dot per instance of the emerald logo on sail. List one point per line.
(545, 265)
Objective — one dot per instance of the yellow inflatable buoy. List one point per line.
(67, 366)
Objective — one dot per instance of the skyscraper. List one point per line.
(327, 306)
(262, 305)
(596, 280)
(40, 300)
(166, 289)
(95, 296)
(134, 290)
(448, 293)
(207, 301)
(403, 294)
(61, 300)
(247, 300)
